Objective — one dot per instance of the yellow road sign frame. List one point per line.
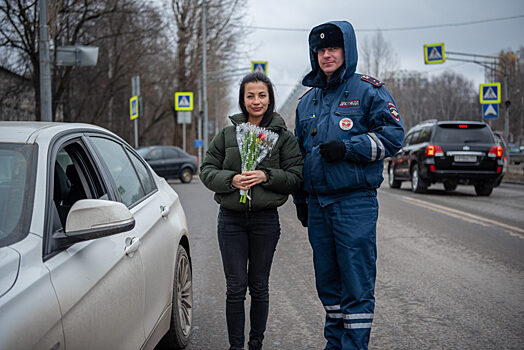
(426, 53)
(132, 115)
(499, 97)
(187, 94)
(253, 63)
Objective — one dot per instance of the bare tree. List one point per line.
(377, 57)
(224, 34)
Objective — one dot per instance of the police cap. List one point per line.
(325, 35)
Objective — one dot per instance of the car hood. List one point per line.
(9, 265)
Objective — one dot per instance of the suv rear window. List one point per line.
(462, 133)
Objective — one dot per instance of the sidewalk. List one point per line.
(514, 174)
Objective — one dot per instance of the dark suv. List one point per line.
(170, 162)
(463, 152)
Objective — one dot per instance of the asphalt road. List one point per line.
(450, 273)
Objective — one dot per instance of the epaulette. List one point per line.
(372, 81)
(305, 93)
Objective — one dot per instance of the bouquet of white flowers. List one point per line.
(254, 143)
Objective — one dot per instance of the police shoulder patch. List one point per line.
(372, 81)
(305, 93)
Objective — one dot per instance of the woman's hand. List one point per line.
(248, 179)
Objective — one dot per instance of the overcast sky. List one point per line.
(287, 51)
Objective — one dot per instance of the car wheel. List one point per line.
(186, 176)
(393, 183)
(483, 190)
(182, 312)
(450, 186)
(418, 185)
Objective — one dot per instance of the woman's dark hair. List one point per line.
(253, 78)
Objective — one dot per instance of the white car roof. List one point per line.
(30, 132)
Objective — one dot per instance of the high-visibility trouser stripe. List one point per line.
(358, 317)
(332, 307)
(333, 311)
(357, 325)
(376, 144)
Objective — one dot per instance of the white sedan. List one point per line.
(94, 247)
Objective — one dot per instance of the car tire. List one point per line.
(186, 175)
(393, 183)
(182, 308)
(450, 186)
(483, 190)
(418, 185)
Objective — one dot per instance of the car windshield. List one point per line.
(463, 133)
(16, 191)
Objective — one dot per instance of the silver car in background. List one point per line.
(94, 247)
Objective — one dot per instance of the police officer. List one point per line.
(345, 125)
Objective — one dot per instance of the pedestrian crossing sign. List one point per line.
(183, 101)
(434, 53)
(490, 93)
(259, 66)
(490, 110)
(133, 107)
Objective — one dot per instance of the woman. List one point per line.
(248, 232)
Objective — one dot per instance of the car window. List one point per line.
(415, 138)
(74, 178)
(463, 133)
(171, 153)
(155, 154)
(143, 174)
(121, 170)
(17, 164)
(407, 140)
(424, 135)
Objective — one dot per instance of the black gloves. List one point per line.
(302, 213)
(333, 151)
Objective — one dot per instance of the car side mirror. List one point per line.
(95, 218)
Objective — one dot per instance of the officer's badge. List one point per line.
(345, 124)
(393, 111)
(372, 81)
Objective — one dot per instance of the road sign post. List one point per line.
(259, 66)
(184, 106)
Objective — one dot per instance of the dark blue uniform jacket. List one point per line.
(352, 108)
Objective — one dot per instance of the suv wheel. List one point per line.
(450, 186)
(418, 185)
(186, 176)
(182, 305)
(393, 183)
(483, 190)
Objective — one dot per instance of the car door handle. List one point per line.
(164, 211)
(132, 245)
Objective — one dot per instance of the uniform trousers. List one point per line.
(343, 238)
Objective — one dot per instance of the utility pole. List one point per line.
(204, 74)
(45, 70)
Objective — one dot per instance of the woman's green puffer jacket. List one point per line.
(222, 162)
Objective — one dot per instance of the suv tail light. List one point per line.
(434, 151)
(495, 151)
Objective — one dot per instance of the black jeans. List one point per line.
(247, 243)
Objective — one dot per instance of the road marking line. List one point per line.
(515, 234)
(462, 215)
